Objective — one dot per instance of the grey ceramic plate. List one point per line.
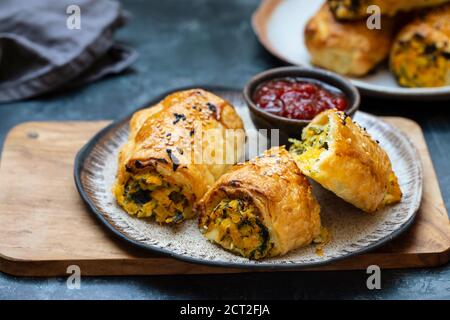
(353, 231)
(279, 25)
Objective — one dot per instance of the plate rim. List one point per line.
(84, 152)
(399, 93)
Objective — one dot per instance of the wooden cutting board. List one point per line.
(45, 227)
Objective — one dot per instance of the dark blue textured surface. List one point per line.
(210, 41)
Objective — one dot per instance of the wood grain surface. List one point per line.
(45, 227)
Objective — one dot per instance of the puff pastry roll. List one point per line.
(348, 48)
(420, 56)
(343, 158)
(161, 173)
(261, 208)
(357, 9)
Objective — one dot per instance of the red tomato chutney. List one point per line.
(298, 98)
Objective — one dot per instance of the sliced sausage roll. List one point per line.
(357, 9)
(420, 56)
(348, 48)
(161, 171)
(343, 158)
(261, 208)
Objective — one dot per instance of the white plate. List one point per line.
(279, 25)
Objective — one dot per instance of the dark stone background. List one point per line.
(184, 43)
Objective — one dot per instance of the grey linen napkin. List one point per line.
(39, 53)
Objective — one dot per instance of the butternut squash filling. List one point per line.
(234, 224)
(147, 194)
(348, 9)
(314, 142)
(418, 64)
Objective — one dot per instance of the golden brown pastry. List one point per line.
(420, 56)
(162, 168)
(357, 9)
(343, 158)
(348, 48)
(261, 208)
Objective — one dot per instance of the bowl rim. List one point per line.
(344, 85)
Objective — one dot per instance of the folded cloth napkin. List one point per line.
(41, 51)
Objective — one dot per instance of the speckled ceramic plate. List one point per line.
(353, 231)
(279, 25)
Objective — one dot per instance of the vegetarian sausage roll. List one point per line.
(420, 56)
(160, 173)
(348, 48)
(343, 158)
(261, 208)
(357, 9)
